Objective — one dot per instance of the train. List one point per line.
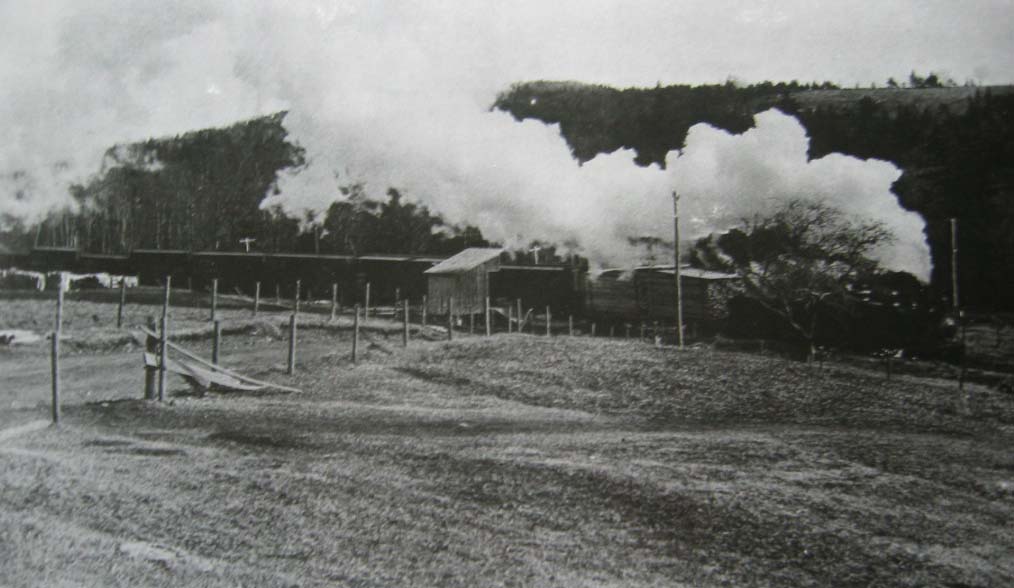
(612, 296)
(391, 276)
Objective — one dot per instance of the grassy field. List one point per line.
(507, 461)
(89, 316)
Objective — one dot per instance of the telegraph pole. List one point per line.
(535, 250)
(676, 266)
(956, 301)
(954, 264)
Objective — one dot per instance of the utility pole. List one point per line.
(676, 267)
(956, 301)
(954, 265)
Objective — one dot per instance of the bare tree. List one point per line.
(802, 258)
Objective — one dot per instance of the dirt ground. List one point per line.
(507, 461)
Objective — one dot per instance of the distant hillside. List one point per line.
(955, 146)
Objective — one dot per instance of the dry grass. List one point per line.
(521, 461)
(707, 387)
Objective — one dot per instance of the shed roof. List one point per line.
(468, 259)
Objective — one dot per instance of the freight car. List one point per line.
(648, 294)
(238, 271)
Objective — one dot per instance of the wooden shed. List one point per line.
(463, 278)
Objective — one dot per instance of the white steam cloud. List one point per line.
(398, 94)
(727, 178)
(80, 78)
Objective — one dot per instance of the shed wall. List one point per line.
(469, 289)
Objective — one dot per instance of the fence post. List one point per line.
(123, 300)
(292, 344)
(334, 300)
(216, 341)
(163, 341)
(570, 325)
(295, 299)
(964, 350)
(55, 359)
(510, 317)
(278, 293)
(520, 318)
(612, 331)
(628, 330)
(593, 326)
(257, 298)
(404, 323)
(150, 371)
(424, 311)
(366, 302)
(471, 323)
(397, 295)
(489, 327)
(450, 319)
(214, 298)
(549, 319)
(355, 336)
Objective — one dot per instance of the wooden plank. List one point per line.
(184, 352)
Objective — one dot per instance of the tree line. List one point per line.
(201, 191)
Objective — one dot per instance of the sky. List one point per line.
(398, 93)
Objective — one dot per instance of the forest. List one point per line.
(955, 146)
(202, 191)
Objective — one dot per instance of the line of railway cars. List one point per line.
(611, 296)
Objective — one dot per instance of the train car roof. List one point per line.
(536, 268)
(160, 251)
(693, 272)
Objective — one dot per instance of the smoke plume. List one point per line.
(398, 94)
